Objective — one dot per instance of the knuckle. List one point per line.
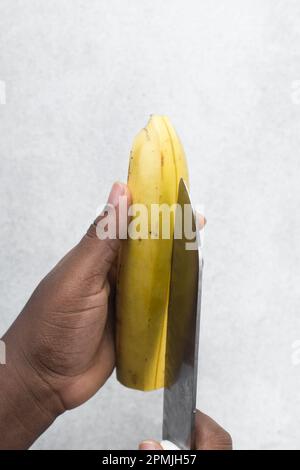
(92, 231)
(219, 440)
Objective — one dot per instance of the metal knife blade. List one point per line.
(180, 390)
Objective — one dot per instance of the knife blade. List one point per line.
(179, 402)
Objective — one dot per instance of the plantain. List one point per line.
(157, 163)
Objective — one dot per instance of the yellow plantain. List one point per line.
(157, 162)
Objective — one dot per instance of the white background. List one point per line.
(81, 79)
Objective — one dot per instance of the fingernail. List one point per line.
(201, 221)
(117, 190)
(149, 445)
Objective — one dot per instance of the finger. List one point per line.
(200, 220)
(112, 275)
(150, 445)
(209, 435)
(109, 226)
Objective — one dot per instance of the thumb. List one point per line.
(101, 243)
(150, 445)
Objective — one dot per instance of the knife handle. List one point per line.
(168, 445)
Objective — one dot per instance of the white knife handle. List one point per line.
(168, 445)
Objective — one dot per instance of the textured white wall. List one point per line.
(81, 79)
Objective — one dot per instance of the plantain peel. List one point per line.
(157, 163)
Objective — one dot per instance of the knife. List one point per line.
(179, 403)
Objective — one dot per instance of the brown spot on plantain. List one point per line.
(134, 378)
(147, 133)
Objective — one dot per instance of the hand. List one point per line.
(60, 348)
(208, 436)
